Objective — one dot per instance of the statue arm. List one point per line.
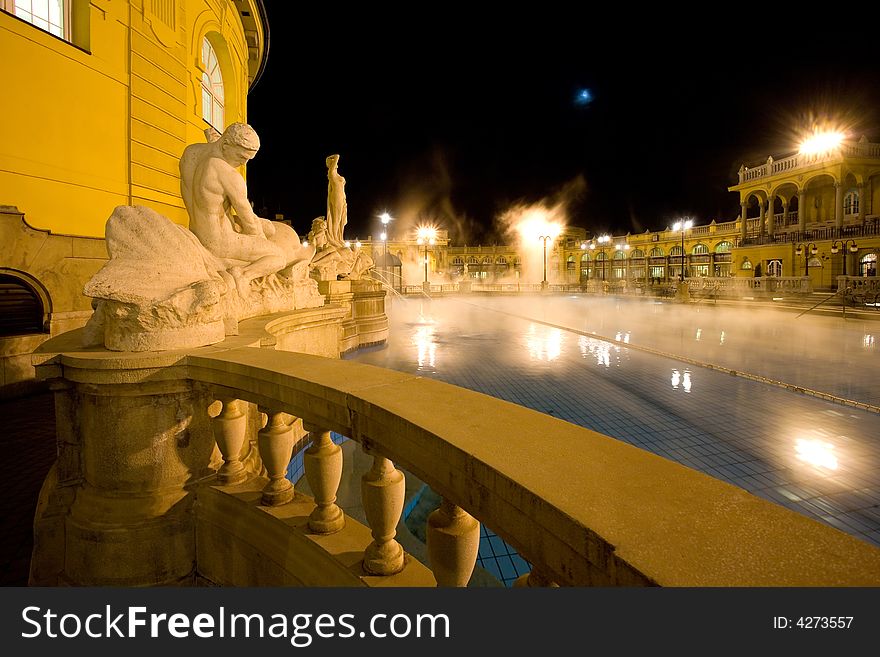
(236, 192)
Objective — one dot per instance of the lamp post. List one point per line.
(603, 240)
(426, 235)
(385, 218)
(843, 247)
(581, 264)
(682, 225)
(802, 250)
(545, 238)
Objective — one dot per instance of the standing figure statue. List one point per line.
(211, 186)
(337, 207)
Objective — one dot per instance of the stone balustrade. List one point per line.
(163, 494)
(740, 286)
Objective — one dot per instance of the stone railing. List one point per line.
(860, 290)
(740, 286)
(773, 167)
(137, 498)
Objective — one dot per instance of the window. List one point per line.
(487, 260)
(656, 252)
(570, 263)
(21, 309)
(723, 247)
(472, 260)
(868, 265)
(700, 249)
(747, 264)
(457, 260)
(501, 260)
(774, 268)
(212, 88)
(619, 255)
(638, 253)
(53, 16)
(675, 251)
(851, 202)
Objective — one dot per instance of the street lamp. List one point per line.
(385, 218)
(426, 235)
(801, 250)
(682, 225)
(545, 238)
(603, 240)
(843, 244)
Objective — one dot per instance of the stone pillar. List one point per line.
(744, 209)
(838, 205)
(453, 538)
(143, 447)
(275, 442)
(761, 218)
(229, 432)
(382, 493)
(771, 215)
(784, 211)
(323, 465)
(861, 191)
(802, 210)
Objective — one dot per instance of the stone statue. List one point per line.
(211, 187)
(332, 262)
(337, 207)
(169, 287)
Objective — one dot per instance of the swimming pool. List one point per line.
(631, 369)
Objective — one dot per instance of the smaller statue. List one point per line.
(337, 206)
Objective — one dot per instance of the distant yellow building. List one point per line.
(812, 214)
(100, 98)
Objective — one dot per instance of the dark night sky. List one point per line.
(455, 120)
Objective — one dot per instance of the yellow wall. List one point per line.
(83, 132)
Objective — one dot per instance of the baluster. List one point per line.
(229, 432)
(535, 578)
(453, 541)
(382, 492)
(323, 466)
(275, 442)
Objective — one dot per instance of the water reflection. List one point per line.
(598, 349)
(425, 340)
(682, 379)
(868, 341)
(543, 344)
(816, 452)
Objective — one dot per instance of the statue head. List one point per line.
(332, 161)
(239, 143)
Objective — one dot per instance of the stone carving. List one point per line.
(337, 206)
(331, 262)
(166, 287)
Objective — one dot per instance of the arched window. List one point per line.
(700, 249)
(472, 260)
(747, 264)
(501, 260)
(723, 247)
(487, 260)
(638, 253)
(570, 263)
(675, 251)
(868, 265)
(585, 257)
(21, 309)
(851, 202)
(212, 88)
(620, 255)
(457, 260)
(656, 252)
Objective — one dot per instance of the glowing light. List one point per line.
(426, 234)
(676, 379)
(347, 244)
(722, 338)
(424, 339)
(383, 236)
(583, 97)
(682, 225)
(868, 341)
(385, 218)
(699, 334)
(686, 381)
(815, 452)
(305, 242)
(535, 225)
(821, 142)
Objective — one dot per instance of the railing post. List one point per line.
(323, 465)
(382, 492)
(453, 537)
(229, 432)
(275, 442)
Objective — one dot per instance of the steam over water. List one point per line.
(799, 450)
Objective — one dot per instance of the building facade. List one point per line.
(101, 97)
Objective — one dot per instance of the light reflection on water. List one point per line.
(543, 343)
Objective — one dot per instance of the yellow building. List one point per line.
(812, 214)
(101, 97)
